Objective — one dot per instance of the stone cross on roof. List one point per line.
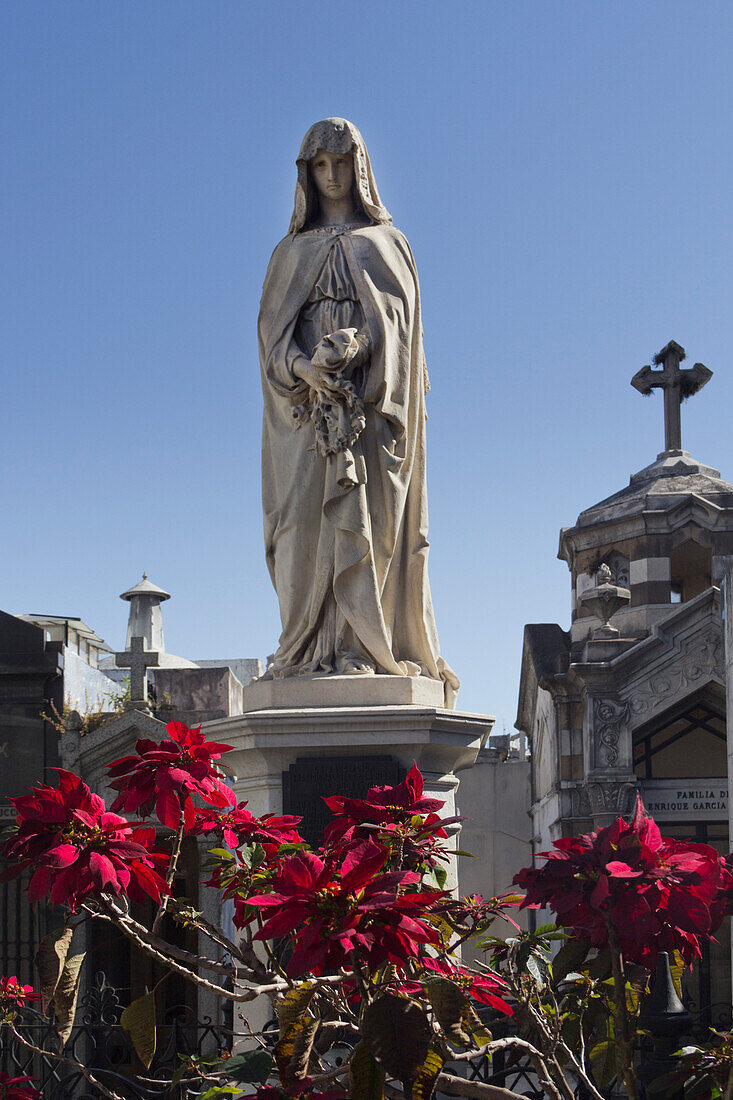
(138, 660)
(677, 385)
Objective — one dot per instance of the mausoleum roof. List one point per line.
(658, 487)
(71, 620)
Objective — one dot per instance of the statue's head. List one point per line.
(333, 160)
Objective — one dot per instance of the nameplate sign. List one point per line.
(686, 799)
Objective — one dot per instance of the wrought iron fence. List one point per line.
(505, 1069)
(100, 1044)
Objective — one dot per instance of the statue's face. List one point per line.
(333, 173)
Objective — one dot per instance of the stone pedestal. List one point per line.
(305, 692)
(284, 732)
(269, 743)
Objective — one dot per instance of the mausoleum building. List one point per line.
(632, 697)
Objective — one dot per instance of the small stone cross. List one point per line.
(677, 385)
(138, 660)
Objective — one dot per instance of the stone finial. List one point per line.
(677, 385)
(603, 576)
(603, 601)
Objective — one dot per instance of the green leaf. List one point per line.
(50, 959)
(545, 929)
(65, 995)
(222, 853)
(440, 874)
(138, 1020)
(677, 967)
(472, 1023)
(569, 958)
(600, 967)
(253, 1067)
(179, 1073)
(603, 1062)
(701, 1086)
(427, 1078)
(366, 1075)
(397, 1032)
(537, 968)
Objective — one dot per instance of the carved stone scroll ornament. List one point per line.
(699, 659)
(608, 722)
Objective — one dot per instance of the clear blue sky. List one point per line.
(563, 172)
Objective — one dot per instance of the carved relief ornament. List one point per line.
(697, 660)
(602, 798)
(608, 721)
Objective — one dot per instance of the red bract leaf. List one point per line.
(102, 869)
(168, 809)
(62, 855)
(687, 912)
(19, 1088)
(361, 863)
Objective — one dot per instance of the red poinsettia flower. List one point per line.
(78, 848)
(11, 990)
(168, 774)
(13, 995)
(398, 817)
(342, 908)
(238, 826)
(658, 894)
(18, 1088)
(382, 805)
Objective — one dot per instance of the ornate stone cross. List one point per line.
(138, 660)
(677, 385)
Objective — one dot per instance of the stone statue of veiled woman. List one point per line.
(343, 441)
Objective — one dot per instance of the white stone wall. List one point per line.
(86, 688)
(493, 800)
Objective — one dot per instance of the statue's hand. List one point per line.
(315, 377)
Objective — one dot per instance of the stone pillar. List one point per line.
(728, 632)
(609, 776)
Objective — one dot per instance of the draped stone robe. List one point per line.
(346, 534)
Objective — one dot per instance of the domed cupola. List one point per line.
(666, 538)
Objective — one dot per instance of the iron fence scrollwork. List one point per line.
(100, 1043)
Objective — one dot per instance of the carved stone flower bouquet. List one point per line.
(337, 411)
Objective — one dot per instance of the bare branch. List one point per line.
(458, 1086)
